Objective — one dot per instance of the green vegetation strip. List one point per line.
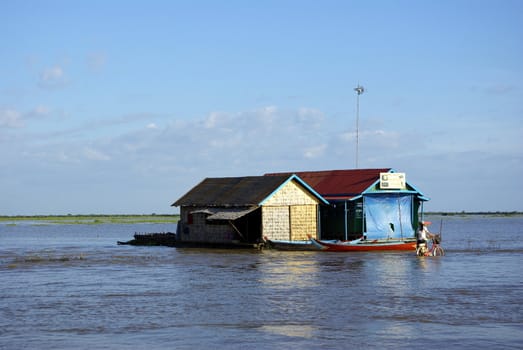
(478, 213)
(94, 219)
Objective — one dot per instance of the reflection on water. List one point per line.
(73, 287)
(293, 272)
(298, 330)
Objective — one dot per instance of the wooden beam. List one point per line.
(236, 229)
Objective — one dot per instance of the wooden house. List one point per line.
(237, 210)
(373, 202)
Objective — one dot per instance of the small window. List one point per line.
(189, 219)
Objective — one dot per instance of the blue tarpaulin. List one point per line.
(382, 210)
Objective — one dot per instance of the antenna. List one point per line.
(359, 90)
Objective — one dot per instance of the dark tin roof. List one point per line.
(237, 191)
(339, 184)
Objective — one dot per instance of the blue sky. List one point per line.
(123, 106)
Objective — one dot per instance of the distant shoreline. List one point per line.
(475, 213)
(96, 219)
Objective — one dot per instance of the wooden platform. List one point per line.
(153, 239)
(168, 239)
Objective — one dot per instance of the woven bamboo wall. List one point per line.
(276, 222)
(291, 194)
(303, 222)
(290, 214)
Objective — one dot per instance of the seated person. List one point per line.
(423, 233)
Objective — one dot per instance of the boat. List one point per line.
(364, 245)
(290, 245)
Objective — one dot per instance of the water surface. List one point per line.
(65, 286)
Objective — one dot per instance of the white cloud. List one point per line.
(266, 116)
(178, 153)
(93, 154)
(41, 110)
(216, 119)
(315, 151)
(311, 115)
(52, 77)
(53, 73)
(10, 118)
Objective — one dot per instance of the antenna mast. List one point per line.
(359, 90)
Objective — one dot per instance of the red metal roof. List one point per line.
(339, 184)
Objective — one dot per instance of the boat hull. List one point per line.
(291, 245)
(366, 246)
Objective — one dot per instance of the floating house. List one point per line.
(376, 203)
(243, 210)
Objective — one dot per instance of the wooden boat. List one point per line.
(360, 245)
(291, 245)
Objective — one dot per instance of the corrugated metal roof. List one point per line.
(232, 191)
(339, 184)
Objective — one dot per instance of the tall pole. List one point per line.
(359, 90)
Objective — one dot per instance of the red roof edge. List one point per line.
(339, 184)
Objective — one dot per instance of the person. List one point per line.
(423, 233)
(391, 228)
